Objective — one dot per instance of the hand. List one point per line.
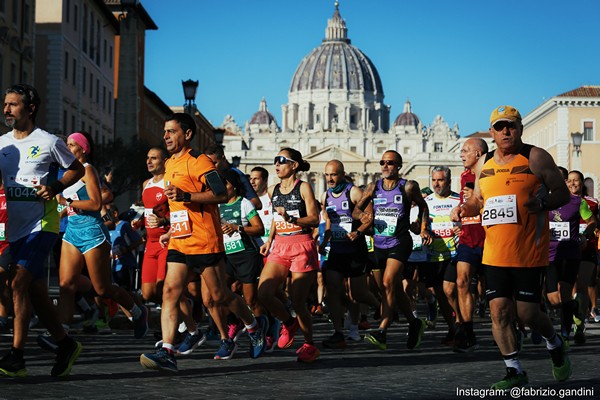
(152, 221)
(264, 249)
(173, 193)
(456, 213)
(229, 229)
(353, 236)
(322, 249)
(415, 227)
(164, 239)
(426, 237)
(45, 192)
(281, 211)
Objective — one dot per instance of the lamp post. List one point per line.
(219, 134)
(577, 138)
(189, 92)
(235, 161)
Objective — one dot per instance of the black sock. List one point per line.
(64, 341)
(289, 322)
(18, 353)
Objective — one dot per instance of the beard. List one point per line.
(9, 122)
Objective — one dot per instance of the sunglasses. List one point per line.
(387, 162)
(282, 160)
(500, 125)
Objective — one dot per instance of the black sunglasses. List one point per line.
(282, 160)
(387, 162)
(500, 125)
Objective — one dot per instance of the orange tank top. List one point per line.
(513, 237)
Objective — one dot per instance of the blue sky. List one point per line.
(459, 59)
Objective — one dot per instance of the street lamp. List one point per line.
(577, 138)
(189, 92)
(235, 161)
(219, 135)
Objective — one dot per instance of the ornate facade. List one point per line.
(336, 110)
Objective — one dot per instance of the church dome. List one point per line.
(336, 64)
(262, 116)
(407, 118)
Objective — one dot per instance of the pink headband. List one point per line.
(81, 140)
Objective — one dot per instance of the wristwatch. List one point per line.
(187, 197)
(69, 200)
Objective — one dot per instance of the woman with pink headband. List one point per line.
(87, 242)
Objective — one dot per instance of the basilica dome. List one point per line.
(407, 118)
(262, 116)
(336, 64)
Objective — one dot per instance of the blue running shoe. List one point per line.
(141, 324)
(190, 343)
(160, 360)
(257, 339)
(226, 350)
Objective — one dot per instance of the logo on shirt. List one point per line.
(345, 205)
(236, 214)
(159, 196)
(398, 199)
(34, 152)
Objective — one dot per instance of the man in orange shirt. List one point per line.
(195, 188)
(516, 185)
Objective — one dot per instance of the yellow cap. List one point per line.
(505, 113)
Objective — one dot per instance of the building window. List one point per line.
(2, 6)
(381, 149)
(98, 91)
(85, 29)
(110, 101)
(74, 78)
(105, 51)
(84, 80)
(438, 147)
(110, 57)
(353, 119)
(75, 17)
(13, 72)
(26, 18)
(66, 65)
(91, 85)
(92, 37)
(313, 149)
(65, 119)
(353, 149)
(406, 150)
(68, 11)
(73, 123)
(588, 131)
(1, 68)
(317, 118)
(104, 97)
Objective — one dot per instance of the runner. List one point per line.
(194, 189)
(292, 249)
(516, 186)
(392, 197)
(29, 167)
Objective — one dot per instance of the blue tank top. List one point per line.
(78, 191)
(392, 214)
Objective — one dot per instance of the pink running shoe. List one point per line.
(308, 353)
(286, 337)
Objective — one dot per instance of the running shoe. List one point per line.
(353, 335)
(377, 339)
(140, 327)
(90, 317)
(270, 345)
(66, 355)
(466, 344)
(416, 327)
(286, 337)
(46, 342)
(596, 312)
(257, 338)
(226, 350)
(511, 380)
(432, 310)
(12, 366)
(213, 338)
(190, 343)
(347, 321)
(235, 331)
(161, 360)
(335, 341)
(579, 336)
(561, 363)
(308, 353)
(274, 329)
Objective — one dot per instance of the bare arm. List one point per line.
(543, 166)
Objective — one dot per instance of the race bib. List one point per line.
(582, 228)
(385, 225)
(20, 188)
(287, 228)
(72, 210)
(2, 232)
(442, 229)
(180, 224)
(417, 242)
(233, 243)
(471, 220)
(500, 210)
(559, 231)
(339, 232)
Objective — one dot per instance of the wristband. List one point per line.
(358, 233)
(69, 200)
(57, 187)
(187, 197)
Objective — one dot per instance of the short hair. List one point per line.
(444, 169)
(263, 172)
(29, 96)
(297, 156)
(398, 155)
(215, 149)
(483, 146)
(564, 172)
(185, 121)
(163, 152)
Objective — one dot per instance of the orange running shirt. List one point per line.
(525, 242)
(187, 173)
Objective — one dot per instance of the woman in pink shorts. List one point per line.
(291, 249)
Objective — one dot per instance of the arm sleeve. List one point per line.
(584, 210)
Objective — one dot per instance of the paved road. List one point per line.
(109, 369)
